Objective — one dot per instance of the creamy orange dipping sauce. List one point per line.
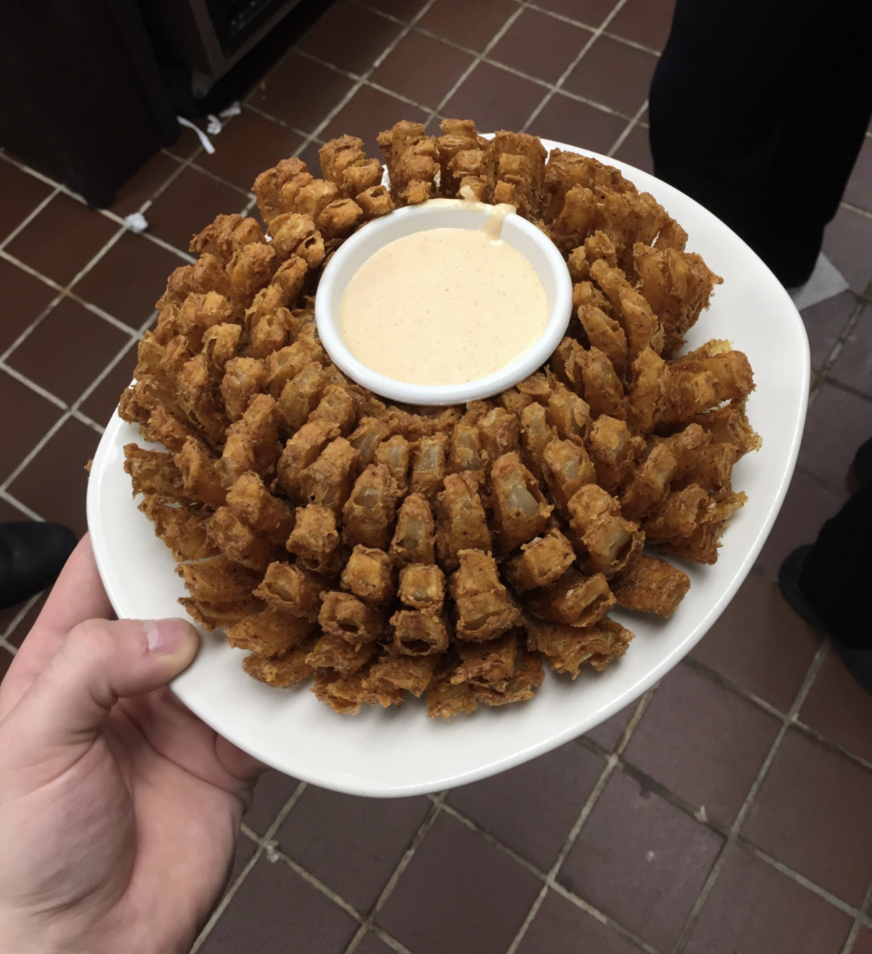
(443, 306)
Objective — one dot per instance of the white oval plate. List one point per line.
(399, 751)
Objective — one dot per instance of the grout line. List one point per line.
(739, 821)
(858, 924)
(15, 502)
(368, 923)
(826, 367)
(313, 136)
(478, 58)
(631, 125)
(847, 388)
(590, 803)
(309, 878)
(33, 386)
(558, 86)
(856, 208)
(29, 218)
(807, 883)
(261, 850)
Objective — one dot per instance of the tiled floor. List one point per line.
(729, 809)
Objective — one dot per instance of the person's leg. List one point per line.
(828, 583)
(758, 109)
(32, 556)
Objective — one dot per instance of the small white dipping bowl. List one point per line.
(536, 247)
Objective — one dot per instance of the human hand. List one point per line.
(119, 809)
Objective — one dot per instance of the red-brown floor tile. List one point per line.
(641, 861)
(5, 661)
(837, 424)
(702, 742)
(540, 45)
(812, 813)
(755, 909)
(54, 483)
(301, 92)
(495, 99)
(578, 124)
(644, 21)
(62, 239)
(854, 363)
(401, 70)
(24, 419)
(352, 844)
(614, 74)
(366, 114)
(24, 297)
(21, 193)
(859, 188)
(247, 146)
(863, 942)
(102, 401)
(562, 928)
(270, 795)
(532, 808)
(805, 508)
(469, 24)
(67, 350)
(592, 12)
(350, 37)
(824, 324)
(847, 241)
(839, 708)
(132, 275)
(19, 634)
(310, 156)
(459, 894)
(138, 190)
(275, 910)
(759, 644)
(608, 733)
(401, 9)
(636, 149)
(372, 945)
(245, 849)
(188, 205)
(188, 141)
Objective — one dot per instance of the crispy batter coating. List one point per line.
(414, 539)
(574, 599)
(462, 521)
(282, 671)
(238, 542)
(484, 608)
(368, 514)
(609, 540)
(315, 539)
(651, 585)
(540, 562)
(269, 632)
(182, 529)
(337, 517)
(351, 619)
(519, 506)
(291, 589)
(369, 575)
(423, 588)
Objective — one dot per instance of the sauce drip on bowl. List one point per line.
(444, 306)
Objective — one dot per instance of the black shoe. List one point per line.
(857, 661)
(863, 463)
(32, 556)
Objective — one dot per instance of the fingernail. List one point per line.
(165, 636)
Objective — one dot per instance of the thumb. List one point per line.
(97, 664)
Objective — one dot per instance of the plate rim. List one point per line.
(336, 781)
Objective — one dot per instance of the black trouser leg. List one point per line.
(836, 576)
(758, 110)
